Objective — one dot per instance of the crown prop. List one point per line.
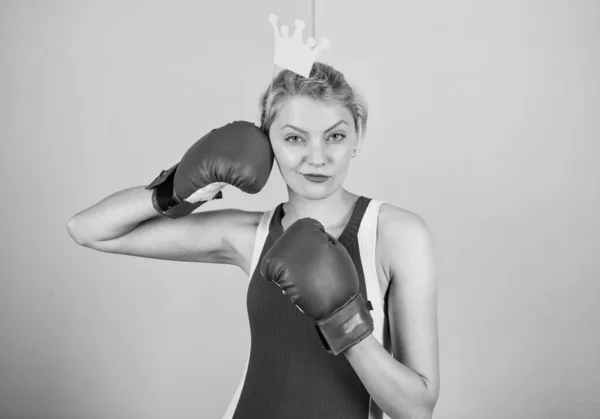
(291, 52)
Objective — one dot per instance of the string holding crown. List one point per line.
(291, 52)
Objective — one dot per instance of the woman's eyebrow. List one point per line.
(327, 130)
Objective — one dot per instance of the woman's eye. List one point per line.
(341, 136)
(295, 138)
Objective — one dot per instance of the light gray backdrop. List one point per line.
(484, 120)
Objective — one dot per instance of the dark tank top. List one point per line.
(289, 373)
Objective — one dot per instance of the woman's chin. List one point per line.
(315, 191)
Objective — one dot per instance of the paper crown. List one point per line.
(291, 52)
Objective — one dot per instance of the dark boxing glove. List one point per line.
(316, 272)
(237, 154)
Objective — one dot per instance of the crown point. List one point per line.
(293, 53)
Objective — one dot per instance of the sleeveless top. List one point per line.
(288, 374)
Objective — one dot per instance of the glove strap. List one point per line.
(163, 196)
(346, 326)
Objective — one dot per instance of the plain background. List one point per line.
(484, 121)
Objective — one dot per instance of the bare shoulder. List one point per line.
(241, 239)
(392, 217)
(399, 229)
(249, 218)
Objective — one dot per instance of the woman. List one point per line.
(315, 127)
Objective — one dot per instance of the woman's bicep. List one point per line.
(412, 299)
(199, 237)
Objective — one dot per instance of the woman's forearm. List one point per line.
(399, 391)
(114, 216)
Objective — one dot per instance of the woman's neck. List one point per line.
(333, 211)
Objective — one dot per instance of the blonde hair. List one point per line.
(324, 83)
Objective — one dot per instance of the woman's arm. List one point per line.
(406, 385)
(112, 217)
(126, 223)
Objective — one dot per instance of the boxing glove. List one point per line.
(316, 272)
(237, 154)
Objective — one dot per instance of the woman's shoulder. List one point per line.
(392, 214)
(399, 225)
(402, 234)
(243, 231)
(244, 218)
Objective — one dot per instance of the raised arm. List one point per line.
(156, 221)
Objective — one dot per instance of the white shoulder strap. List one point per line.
(259, 241)
(376, 287)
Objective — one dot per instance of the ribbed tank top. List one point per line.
(288, 374)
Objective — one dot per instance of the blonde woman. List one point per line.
(342, 295)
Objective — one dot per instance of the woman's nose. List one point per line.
(316, 154)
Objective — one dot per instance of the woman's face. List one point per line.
(310, 137)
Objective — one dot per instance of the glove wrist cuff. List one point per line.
(164, 199)
(346, 326)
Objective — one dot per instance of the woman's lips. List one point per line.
(316, 179)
